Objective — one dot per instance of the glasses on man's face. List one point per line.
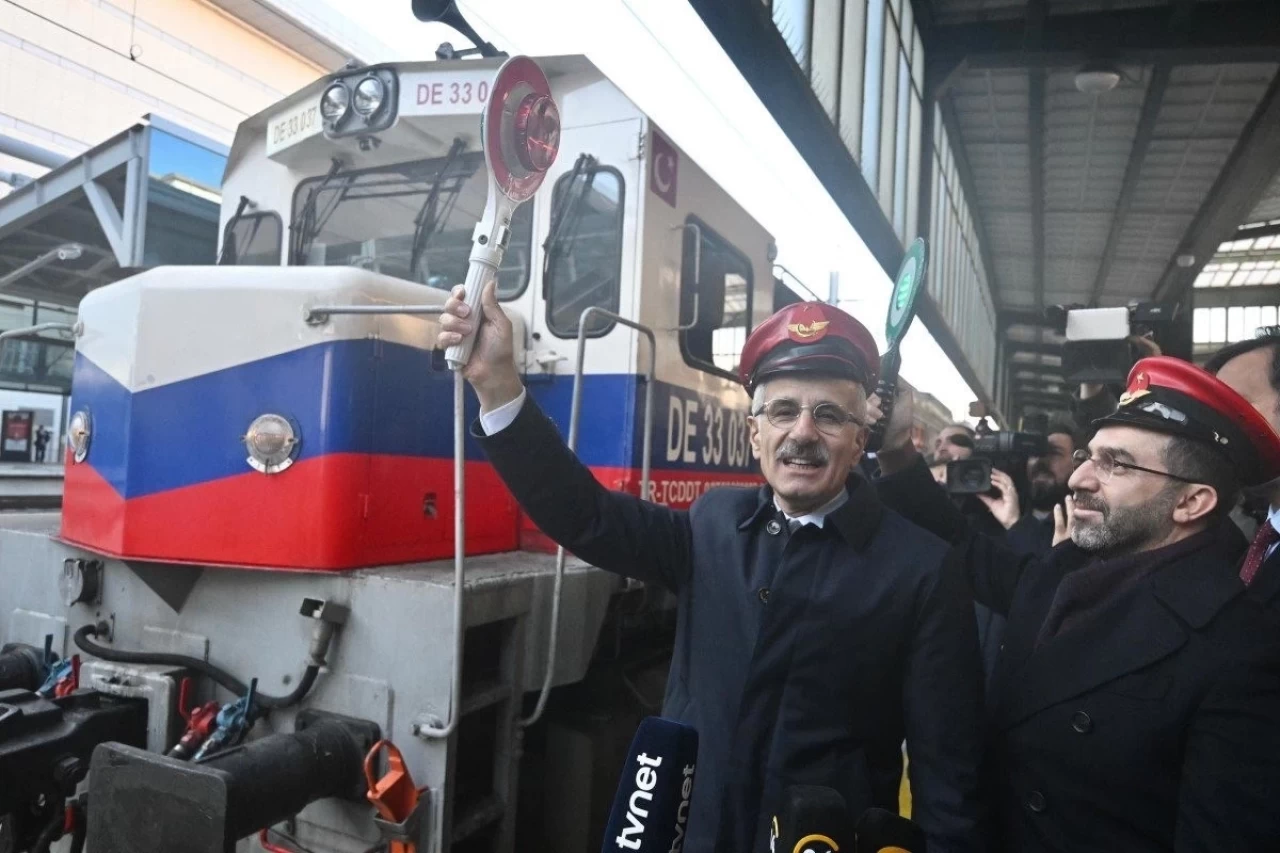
(829, 418)
(1105, 466)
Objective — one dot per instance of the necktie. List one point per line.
(1266, 536)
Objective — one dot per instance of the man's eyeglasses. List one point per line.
(829, 418)
(1105, 465)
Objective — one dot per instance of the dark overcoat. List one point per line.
(800, 658)
(1154, 725)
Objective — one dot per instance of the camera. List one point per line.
(970, 476)
(1007, 451)
(1099, 345)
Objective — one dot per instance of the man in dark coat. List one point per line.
(1136, 702)
(816, 630)
(1252, 368)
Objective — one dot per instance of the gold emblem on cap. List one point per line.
(808, 330)
(816, 843)
(1129, 396)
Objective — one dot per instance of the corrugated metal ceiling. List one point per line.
(1126, 175)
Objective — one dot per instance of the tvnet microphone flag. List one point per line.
(651, 809)
(811, 819)
(881, 831)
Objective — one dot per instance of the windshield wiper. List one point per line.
(230, 253)
(432, 213)
(306, 225)
(567, 214)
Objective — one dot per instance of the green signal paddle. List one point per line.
(902, 310)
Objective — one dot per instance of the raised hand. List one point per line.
(491, 370)
(1004, 508)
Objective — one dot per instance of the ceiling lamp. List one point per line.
(1097, 79)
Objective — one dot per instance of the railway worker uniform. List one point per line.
(1135, 705)
(806, 648)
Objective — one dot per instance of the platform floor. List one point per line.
(31, 469)
(30, 485)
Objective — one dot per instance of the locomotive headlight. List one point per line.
(335, 102)
(537, 126)
(78, 434)
(272, 444)
(370, 94)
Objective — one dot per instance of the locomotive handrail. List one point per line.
(319, 315)
(74, 328)
(431, 729)
(574, 411)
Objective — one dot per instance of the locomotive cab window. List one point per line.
(583, 266)
(409, 220)
(252, 239)
(720, 277)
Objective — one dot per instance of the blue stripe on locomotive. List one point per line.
(365, 396)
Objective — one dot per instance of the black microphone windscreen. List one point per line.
(651, 809)
(811, 819)
(881, 831)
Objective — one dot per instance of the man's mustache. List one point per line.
(1090, 502)
(796, 451)
(1041, 467)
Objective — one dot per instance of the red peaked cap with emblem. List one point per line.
(810, 337)
(1174, 396)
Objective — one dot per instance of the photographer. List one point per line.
(1047, 476)
(954, 442)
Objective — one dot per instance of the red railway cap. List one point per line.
(810, 337)
(1173, 396)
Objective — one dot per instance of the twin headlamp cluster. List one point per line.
(360, 103)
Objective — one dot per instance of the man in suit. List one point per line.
(1135, 704)
(1252, 368)
(816, 630)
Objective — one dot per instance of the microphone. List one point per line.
(651, 809)
(881, 831)
(812, 819)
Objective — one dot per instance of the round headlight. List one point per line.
(78, 433)
(370, 93)
(271, 442)
(335, 102)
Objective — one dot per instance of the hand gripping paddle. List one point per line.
(520, 131)
(902, 310)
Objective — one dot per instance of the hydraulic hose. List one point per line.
(78, 835)
(212, 671)
(51, 833)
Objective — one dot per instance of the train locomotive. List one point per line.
(245, 620)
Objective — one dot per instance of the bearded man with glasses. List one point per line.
(816, 629)
(1135, 704)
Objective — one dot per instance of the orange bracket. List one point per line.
(399, 803)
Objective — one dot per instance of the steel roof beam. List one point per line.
(1023, 317)
(1035, 144)
(1137, 155)
(1244, 296)
(1038, 347)
(1209, 33)
(1253, 233)
(1240, 184)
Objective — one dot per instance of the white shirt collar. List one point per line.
(819, 516)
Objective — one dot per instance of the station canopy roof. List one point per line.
(1109, 148)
